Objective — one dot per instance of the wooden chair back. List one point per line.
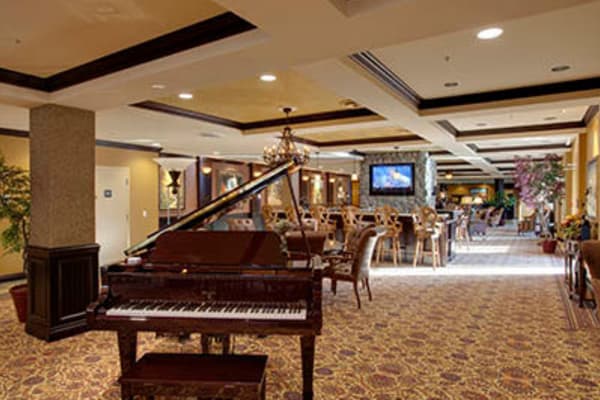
(389, 218)
(269, 215)
(350, 216)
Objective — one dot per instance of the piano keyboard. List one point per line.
(210, 309)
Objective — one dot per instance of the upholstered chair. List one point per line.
(589, 274)
(241, 224)
(356, 268)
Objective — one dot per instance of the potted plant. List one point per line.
(541, 186)
(15, 205)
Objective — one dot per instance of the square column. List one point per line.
(63, 258)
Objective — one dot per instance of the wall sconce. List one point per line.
(331, 180)
(206, 170)
(256, 174)
(354, 177)
(305, 178)
(449, 175)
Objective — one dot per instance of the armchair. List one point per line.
(355, 267)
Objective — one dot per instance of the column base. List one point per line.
(62, 282)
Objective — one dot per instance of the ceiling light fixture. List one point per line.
(550, 119)
(349, 103)
(268, 78)
(158, 86)
(286, 149)
(481, 124)
(186, 96)
(560, 68)
(451, 84)
(490, 33)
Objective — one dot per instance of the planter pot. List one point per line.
(549, 246)
(19, 296)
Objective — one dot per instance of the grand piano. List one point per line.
(188, 278)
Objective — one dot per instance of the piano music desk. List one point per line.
(198, 375)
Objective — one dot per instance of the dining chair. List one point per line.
(270, 217)
(462, 230)
(324, 222)
(388, 218)
(356, 268)
(352, 220)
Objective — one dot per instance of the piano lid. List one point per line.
(220, 204)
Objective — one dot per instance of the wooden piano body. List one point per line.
(214, 283)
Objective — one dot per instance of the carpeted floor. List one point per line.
(433, 336)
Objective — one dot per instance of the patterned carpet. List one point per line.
(438, 336)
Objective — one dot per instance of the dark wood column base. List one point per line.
(62, 282)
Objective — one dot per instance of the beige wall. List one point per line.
(593, 150)
(16, 151)
(143, 175)
(143, 196)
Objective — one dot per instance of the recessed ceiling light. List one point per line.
(158, 86)
(268, 78)
(451, 84)
(560, 68)
(210, 135)
(490, 33)
(481, 124)
(156, 144)
(186, 96)
(550, 119)
(349, 103)
(563, 111)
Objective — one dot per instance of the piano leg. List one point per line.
(127, 349)
(307, 345)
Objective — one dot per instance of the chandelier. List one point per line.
(286, 149)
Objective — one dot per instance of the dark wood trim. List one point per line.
(14, 132)
(369, 62)
(461, 170)
(374, 140)
(126, 146)
(12, 277)
(23, 80)
(99, 142)
(243, 126)
(216, 28)
(308, 118)
(512, 160)
(440, 153)
(524, 148)
(175, 155)
(447, 126)
(512, 93)
(590, 113)
(452, 163)
(376, 68)
(185, 113)
(62, 282)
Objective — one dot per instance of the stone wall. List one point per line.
(425, 168)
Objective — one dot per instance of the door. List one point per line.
(112, 212)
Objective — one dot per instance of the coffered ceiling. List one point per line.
(43, 38)
(523, 56)
(391, 57)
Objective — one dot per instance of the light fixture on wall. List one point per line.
(174, 166)
(449, 175)
(206, 170)
(286, 150)
(354, 176)
(256, 174)
(331, 180)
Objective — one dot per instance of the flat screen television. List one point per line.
(392, 179)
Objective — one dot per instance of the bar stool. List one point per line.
(388, 218)
(462, 230)
(427, 228)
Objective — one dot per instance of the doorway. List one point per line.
(112, 212)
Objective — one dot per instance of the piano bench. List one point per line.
(203, 376)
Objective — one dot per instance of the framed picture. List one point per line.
(591, 178)
(228, 179)
(481, 192)
(167, 200)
